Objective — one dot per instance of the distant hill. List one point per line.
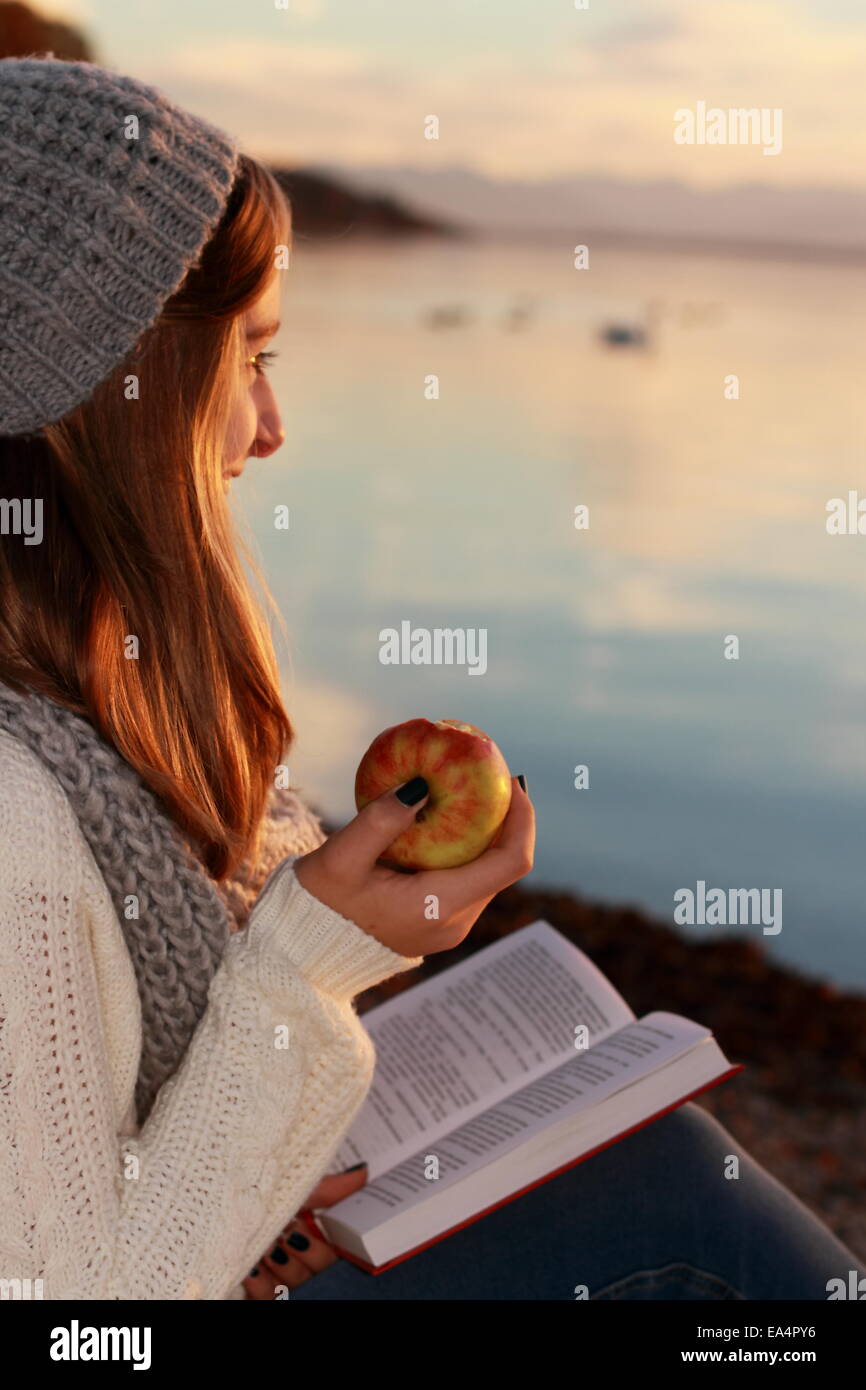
(22, 32)
(742, 217)
(323, 206)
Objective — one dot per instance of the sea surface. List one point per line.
(606, 646)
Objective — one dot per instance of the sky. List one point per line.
(522, 88)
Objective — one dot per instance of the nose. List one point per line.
(269, 433)
(266, 444)
(268, 439)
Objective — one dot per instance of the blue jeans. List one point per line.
(652, 1217)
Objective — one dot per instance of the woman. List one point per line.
(181, 946)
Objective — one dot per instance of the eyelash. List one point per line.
(262, 361)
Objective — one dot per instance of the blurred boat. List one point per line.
(625, 333)
(447, 316)
(518, 315)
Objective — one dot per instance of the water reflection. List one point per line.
(605, 646)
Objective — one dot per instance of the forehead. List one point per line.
(265, 311)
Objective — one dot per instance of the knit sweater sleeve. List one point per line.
(274, 1074)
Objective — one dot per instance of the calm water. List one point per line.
(605, 646)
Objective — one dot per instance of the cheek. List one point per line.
(241, 429)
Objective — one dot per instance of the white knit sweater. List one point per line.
(237, 1139)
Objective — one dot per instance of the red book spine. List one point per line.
(380, 1269)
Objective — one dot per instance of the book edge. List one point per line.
(581, 1158)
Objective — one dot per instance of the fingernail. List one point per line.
(253, 1272)
(298, 1241)
(279, 1256)
(522, 780)
(355, 1166)
(411, 792)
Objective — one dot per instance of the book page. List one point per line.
(570, 1089)
(452, 1046)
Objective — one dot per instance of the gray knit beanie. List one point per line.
(108, 193)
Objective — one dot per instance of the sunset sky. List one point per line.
(522, 88)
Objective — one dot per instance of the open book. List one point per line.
(494, 1076)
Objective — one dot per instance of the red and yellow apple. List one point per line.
(469, 782)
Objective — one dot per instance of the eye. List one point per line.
(262, 361)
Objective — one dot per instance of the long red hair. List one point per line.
(138, 543)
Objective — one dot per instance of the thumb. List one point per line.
(334, 1188)
(379, 823)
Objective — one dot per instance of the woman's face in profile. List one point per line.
(255, 429)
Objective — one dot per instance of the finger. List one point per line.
(260, 1283)
(504, 862)
(366, 838)
(284, 1266)
(335, 1187)
(299, 1246)
(320, 1253)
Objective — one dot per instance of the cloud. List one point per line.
(602, 102)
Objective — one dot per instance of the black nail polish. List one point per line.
(412, 792)
(298, 1241)
(355, 1166)
(279, 1256)
(522, 780)
(253, 1272)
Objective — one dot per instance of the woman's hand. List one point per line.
(398, 908)
(284, 1265)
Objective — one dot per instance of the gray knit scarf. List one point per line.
(181, 924)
